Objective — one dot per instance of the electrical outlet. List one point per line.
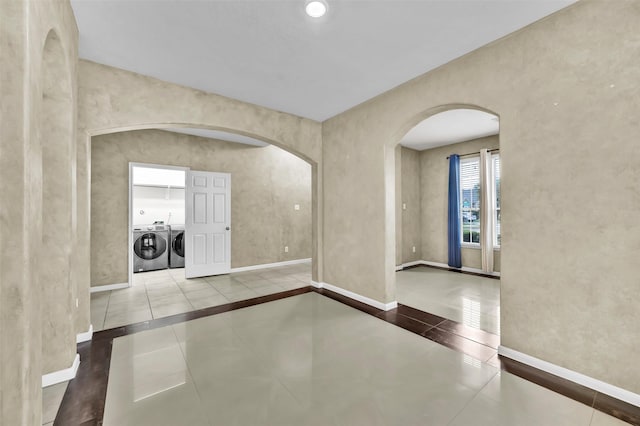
(286, 249)
(413, 248)
(404, 206)
(296, 206)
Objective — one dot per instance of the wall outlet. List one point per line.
(413, 249)
(296, 206)
(404, 206)
(286, 249)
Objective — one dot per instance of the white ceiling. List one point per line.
(269, 53)
(453, 126)
(216, 134)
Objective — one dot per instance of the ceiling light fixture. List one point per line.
(316, 8)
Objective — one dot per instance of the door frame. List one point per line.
(133, 164)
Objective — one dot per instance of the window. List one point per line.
(495, 165)
(470, 200)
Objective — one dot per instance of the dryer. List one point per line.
(150, 248)
(176, 252)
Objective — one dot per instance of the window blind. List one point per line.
(496, 181)
(470, 199)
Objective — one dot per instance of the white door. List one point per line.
(207, 224)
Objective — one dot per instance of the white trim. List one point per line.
(85, 336)
(477, 247)
(108, 287)
(408, 264)
(62, 375)
(444, 265)
(565, 373)
(270, 265)
(356, 296)
(472, 246)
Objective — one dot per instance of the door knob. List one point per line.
(228, 228)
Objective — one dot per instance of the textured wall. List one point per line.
(265, 184)
(24, 27)
(411, 195)
(566, 90)
(399, 195)
(111, 100)
(434, 184)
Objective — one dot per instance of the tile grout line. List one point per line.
(106, 310)
(146, 292)
(195, 385)
(476, 396)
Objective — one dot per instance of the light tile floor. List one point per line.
(468, 299)
(51, 400)
(309, 360)
(166, 292)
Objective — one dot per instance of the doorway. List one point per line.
(156, 220)
(468, 293)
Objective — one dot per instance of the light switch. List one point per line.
(404, 206)
(286, 249)
(296, 206)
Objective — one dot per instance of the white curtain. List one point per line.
(486, 212)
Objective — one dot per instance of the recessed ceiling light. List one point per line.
(316, 8)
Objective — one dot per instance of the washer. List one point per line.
(150, 248)
(176, 254)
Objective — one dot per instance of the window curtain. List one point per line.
(455, 250)
(486, 210)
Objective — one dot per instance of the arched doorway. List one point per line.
(55, 155)
(422, 222)
(162, 149)
(140, 102)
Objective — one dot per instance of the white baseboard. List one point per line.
(108, 287)
(408, 264)
(444, 265)
(356, 296)
(565, 373)
(269, 265)
(86, 336)
(62, 375)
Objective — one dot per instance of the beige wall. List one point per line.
(112, 100)
(411, 225)
(266, 182)
(26, 125)
(566, 90)
(434, 181)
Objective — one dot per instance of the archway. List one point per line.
(271, 215)
(56, 155)
(421, 169)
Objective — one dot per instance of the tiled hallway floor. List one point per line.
(309, 360)
(166, 292)
(469, 299)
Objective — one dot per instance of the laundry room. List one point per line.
(157, 217)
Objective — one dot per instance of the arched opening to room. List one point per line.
(448, 215)
(272, 217)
